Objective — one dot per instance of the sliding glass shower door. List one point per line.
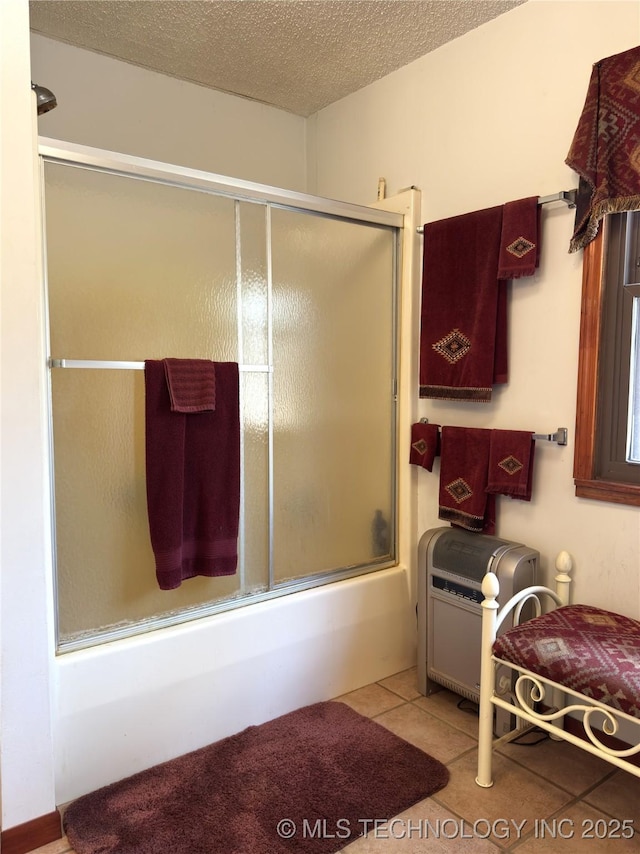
(333, 412)
(142, 267)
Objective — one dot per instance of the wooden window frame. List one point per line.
(587, 484)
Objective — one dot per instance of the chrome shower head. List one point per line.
(45, 99)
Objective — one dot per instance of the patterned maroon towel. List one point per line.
(501, 353)
(520, 239)
(193, 479)
(460, 297)
(464, 463)
(605, 150)
(511, 455)
(425, 444)
(192, 384)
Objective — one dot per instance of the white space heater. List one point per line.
(451, 565)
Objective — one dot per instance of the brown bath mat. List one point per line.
(309, 781)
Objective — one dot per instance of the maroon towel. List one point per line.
(511, 463)
(425, 444)
(501, 354)
(464, 464)
(605, 151)
(520, 239)
(460, 298)
(192, 384)
(193, 479)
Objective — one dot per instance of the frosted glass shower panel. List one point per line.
(254, 517)
(146, 262)
(105, 567)
(333, 401)
(138, 270)
(253, 277)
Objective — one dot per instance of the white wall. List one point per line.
(483, 120)
(26, 614)
(121, 107)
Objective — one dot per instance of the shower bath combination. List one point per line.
(45, 99)
(280, 263)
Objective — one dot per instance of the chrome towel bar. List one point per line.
(567, 196)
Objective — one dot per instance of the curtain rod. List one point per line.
(567, 196)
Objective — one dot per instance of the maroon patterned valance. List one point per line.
(592, 651)
(605, 151)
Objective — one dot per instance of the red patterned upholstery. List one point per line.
(592, 651)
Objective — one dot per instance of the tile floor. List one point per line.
(547, 797)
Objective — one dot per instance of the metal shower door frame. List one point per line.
(74, 155)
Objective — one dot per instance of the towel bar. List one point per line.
(559, 437)
(132, 366)
(567, 196)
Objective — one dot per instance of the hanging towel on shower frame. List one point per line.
(193, 478)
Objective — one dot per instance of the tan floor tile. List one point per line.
(405, 684)
(425, 827)
(60, 846)
(516, 796)
(619, 797)
(444, 704)
(430, 734)
(563, 763)
(371, 700)
(578, 829)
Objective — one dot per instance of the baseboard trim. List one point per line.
(32, 834)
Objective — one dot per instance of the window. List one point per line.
(607, 456)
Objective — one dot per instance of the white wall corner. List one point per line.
(26, 750)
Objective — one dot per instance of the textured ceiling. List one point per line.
(299, 55)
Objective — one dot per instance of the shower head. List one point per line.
(45, 99)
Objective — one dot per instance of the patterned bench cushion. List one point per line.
(592, 651)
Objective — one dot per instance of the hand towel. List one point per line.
(425, 444)
(605, 151)
(520, 239)
(459, 315)
(192, 384)
(193, 479)
(464, 465)
(511, 454)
